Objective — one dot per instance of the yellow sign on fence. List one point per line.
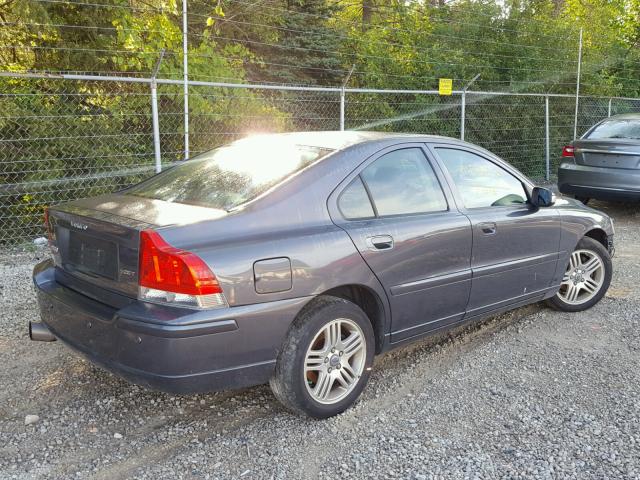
(445, 86)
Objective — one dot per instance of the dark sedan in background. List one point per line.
(295, 258)
(605, 162)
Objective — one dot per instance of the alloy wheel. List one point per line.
(335, 361)
(583, 279)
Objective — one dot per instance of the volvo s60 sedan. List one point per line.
(295, 258)
(605, 163)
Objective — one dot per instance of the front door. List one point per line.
(415, 241)
(515, 245)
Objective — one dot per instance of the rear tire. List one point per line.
(584, 200)
(325, 361)
(587, 277)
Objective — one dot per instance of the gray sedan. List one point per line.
(605, 162)
(295, 258)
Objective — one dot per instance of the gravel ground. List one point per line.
(531, 394)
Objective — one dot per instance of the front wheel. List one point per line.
(586, 279)
(326, 359)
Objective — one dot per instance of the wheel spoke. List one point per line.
(348, 374)
(334, 333)
(315, 360)
(590, 285)
(326, 334)
(592, 266)
(323, 386)
(575, 260)
(342, 380)
(352, 345)
(572, 293)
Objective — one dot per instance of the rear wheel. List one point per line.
(584, 200)
(326, 359)
(586, 279)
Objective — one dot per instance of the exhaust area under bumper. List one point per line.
(39, 332)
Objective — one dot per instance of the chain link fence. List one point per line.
(68, 138)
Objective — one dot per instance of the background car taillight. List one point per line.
(568, 151)
(170, 275)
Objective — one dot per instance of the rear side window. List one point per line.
(628, 129)
(402, 182)
(354, 202)
(229, 176)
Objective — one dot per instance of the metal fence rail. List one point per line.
(71, 136)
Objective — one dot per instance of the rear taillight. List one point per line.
(47, 225)
(568, 151)
(170, 275)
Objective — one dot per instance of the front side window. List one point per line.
(625, 129)
(229, 176)
(402, 182)
(480, 182)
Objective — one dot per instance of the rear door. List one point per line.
(409, 232)
(515, 246)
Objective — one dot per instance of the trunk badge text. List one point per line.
(78, 225)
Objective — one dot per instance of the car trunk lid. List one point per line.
(96, 241)
(608, 153)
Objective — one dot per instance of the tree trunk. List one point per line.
(367, 10)
(558, 6)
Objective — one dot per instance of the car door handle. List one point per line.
(488, 228)
(380, 242)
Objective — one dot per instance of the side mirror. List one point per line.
(542, 197)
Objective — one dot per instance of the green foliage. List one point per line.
(65, 139)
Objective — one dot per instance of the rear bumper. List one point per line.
(598, 182)
(166, 348)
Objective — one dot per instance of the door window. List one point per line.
(482, 183)
(402, 182)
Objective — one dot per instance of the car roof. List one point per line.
(337, 140)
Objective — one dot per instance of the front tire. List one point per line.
(325, 361)
(587, 277)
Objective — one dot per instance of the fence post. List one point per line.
(156, 126)
(185, 70)
(575, 120)
(463, 106)
(463, 109)
(154, 114)
(342, 95)
(609, 110)
(546, 137)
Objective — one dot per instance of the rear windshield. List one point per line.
(616, 128)
(232, 175)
